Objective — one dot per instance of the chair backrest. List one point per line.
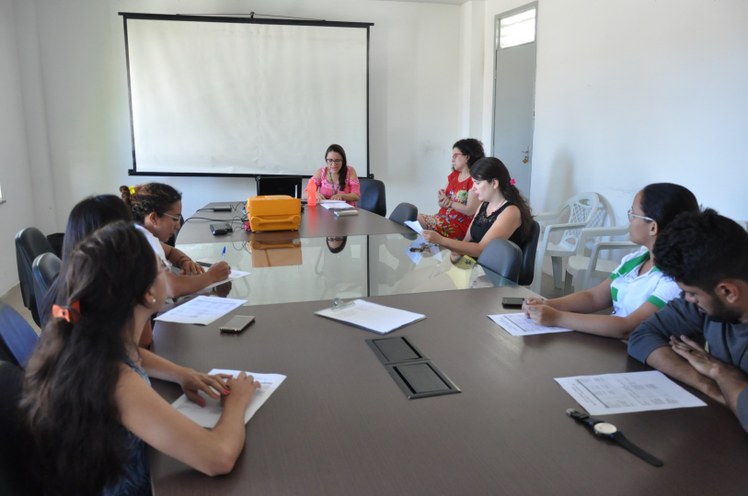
(18, 464)
(404, 211)
(17, 337)
(583, 208)
(30, 243)
(279, 185)
(373, 196)
(527, 267)
(503, 257)
(44, 271)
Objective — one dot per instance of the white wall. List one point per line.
(629, 92)
(634, 92)
(15, 178)
(413, 100)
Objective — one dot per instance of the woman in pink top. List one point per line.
(337, 180)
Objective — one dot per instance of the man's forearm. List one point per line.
(667, 361)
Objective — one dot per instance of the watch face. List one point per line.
(605, 429)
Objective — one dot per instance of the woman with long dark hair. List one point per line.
(337, 180)
(503, 212)
(458, 202)
(86, 395)
(637, 288)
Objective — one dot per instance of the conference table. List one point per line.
(340, 424)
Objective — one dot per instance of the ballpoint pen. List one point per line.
(223, 252)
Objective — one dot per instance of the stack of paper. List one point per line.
(371, 316)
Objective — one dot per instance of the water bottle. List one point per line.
(311, 193)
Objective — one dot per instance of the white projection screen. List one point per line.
(218, 96)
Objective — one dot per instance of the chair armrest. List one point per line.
(607, 246)
(589, 233)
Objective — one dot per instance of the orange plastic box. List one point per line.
(274, 213)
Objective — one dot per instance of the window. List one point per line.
(517, 29)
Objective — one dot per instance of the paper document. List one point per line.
(371, 316)
(335, 204)
(235, 274)
(201, 310)
(209, 415)
(627, 392)
(415, 225)
(519, 324)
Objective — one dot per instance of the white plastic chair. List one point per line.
(594, 256)
(561, 230)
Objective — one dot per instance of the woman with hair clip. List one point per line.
(337, 180)
(86, 397)
(503, 212)
(157, 211)
(637, 288)
(458, 202)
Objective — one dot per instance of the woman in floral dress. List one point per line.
(458, 201)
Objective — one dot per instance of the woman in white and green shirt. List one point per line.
(637, 288)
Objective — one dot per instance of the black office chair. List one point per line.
(44, 271)
(279, 185)
(502, 257)
(404, 211)
(30, 243)
(527, 268)
(17, 338)
(373, 196)
(18, 476)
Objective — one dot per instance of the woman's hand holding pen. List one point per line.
(432, 236)
(540, 313)
(219, 271)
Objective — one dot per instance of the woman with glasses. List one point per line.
(457, 202)
(637, 288)
(157, 211)
(337, 180)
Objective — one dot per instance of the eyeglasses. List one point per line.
(631, 214)
(175, 218)
(334, 160)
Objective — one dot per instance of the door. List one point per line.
(514, 93)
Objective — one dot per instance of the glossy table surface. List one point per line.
(284, 267)
(340, 426)
(315, 222)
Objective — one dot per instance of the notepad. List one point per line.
(370, 316)
(209, 415)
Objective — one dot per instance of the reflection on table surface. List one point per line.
(285, 268)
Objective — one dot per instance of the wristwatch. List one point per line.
(609, 431)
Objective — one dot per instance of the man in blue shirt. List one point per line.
(707, 255)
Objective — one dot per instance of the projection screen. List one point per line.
(220, 96)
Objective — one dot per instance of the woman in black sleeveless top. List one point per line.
(503, 212)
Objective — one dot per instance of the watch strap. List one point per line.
(624, 442)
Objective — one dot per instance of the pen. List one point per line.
(223, 252)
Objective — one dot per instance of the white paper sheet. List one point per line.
(627, 392)
(209, 415)
(371, 316)
(335, 204)
(519, 324)
(415, 225)
(201, 310)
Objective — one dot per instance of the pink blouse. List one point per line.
(328, 189)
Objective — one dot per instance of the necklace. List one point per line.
(495, 209)
(335, 187)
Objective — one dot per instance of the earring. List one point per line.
(153, 300)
